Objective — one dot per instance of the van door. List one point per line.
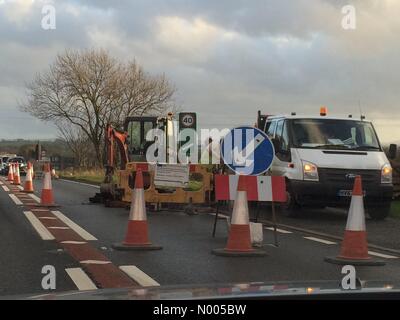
(282, 154)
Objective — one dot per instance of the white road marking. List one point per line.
(79, 230)
(95, 262)
(20, 187)
(5, 188)
(47, 218)
(35, 197)
(1, 183)
(319, 240)
(220, 215)
(81, 279)
(58, 228)
(381, 255)
(279, 230)
(15, 199)
(38, 226)
(81, 183)
(40, 210)
(73, 242)
(139, 276)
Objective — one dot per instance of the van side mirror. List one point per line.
(392, 154)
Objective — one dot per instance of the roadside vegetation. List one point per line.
(395, 212)
(93, 176)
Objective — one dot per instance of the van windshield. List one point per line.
(334, 134)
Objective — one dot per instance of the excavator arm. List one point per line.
(113, 138)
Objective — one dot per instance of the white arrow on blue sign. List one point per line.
(247, 151)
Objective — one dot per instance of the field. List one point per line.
(395, 213)
(94, 176)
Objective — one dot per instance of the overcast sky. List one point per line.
(228, 58)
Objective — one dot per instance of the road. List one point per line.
(82, 243)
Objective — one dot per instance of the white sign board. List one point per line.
(171, 175)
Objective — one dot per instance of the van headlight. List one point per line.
(386, 174)
(310, 171)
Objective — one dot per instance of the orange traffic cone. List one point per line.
(354, 246)
(17, 177)
(239, 240)
(47, 199)
(28, 186)
(10, 172)
(137, 237)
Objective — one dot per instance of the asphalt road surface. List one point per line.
(81, 235)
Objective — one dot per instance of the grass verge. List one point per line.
(395, 211)
(93, 176)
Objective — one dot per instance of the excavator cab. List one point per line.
(137, 129)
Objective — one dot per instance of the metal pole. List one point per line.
(274, 223)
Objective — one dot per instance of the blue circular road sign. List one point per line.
(247, 150)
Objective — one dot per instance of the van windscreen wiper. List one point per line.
(332, 146)
(365, 148)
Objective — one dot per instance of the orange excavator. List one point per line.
(126, 150)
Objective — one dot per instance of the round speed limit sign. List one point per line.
(187, 120)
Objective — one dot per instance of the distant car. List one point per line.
(3, 164)
(22, 165)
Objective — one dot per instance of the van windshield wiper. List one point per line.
(332, 146)
(366, 148)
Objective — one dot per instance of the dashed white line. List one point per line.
(81, 279)
(5, 188)
(320, 240)
(15, 199)
(279, 230)
(38, 226)
(381, 255)
(73, 242)
(47, 218)
(20, 187)
(34, 197)
(79, 230)
(139, 276)
(58, 228)
(95, 262)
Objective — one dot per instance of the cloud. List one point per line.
(228, 58)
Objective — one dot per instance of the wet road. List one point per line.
(187, 243)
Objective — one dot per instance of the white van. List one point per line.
(320, 157)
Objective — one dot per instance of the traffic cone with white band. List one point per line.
(17, 177)
(28, 186)
(239, 240)
(47, 199)
(137, 235)
(10, 172)
(354, 248)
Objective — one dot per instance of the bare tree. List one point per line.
(89, 89)
(78, 142)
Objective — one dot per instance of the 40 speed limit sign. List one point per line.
(187, 120)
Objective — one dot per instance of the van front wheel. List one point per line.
(291, 208)
(379, 213)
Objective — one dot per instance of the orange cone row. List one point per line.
(47, 198)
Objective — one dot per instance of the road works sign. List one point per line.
(171, 175)
(247, 150)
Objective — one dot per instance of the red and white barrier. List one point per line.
(259, 188)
